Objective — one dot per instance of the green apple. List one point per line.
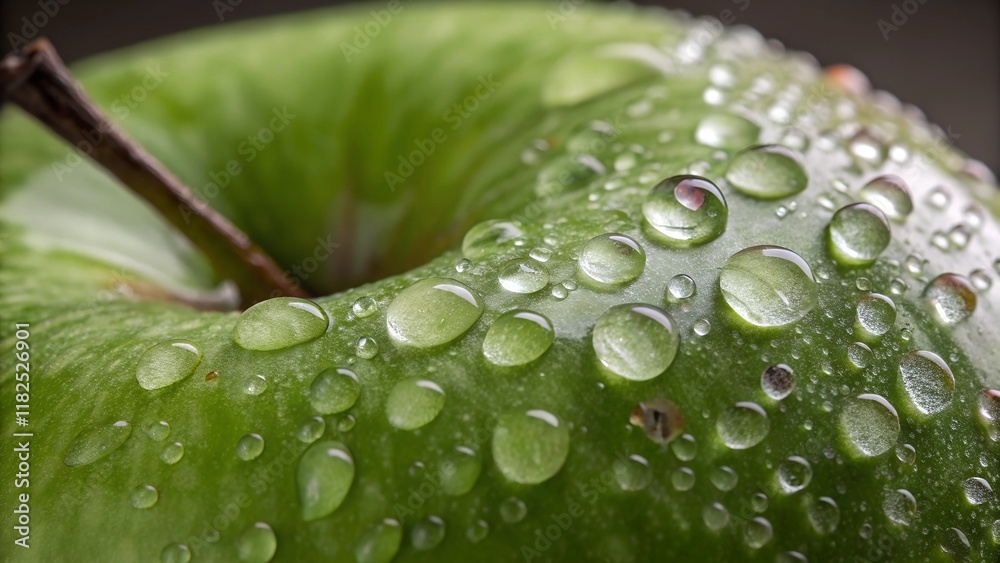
(605, 284)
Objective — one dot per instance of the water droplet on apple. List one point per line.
(523, 276)
(767, 172)
(175, 553)
(794, 474)
(612, 259)
(890, 194)
(334, 390)
(715, 516)
(257, 543)
(413, 403)
(823, 514)
(158, 431)
(97, 442)
(487, 238)
(144, 496)
(757, 532)
(977, 490)
(870, 423)
(876, 313)
(427, 533)
(777, 381)
(858, 234)
(172, 453)
(632, 473)
(635, 341)
(743, 425)
(249, 447)
(726, 131)
(311, 430)
(952, 298)
(380, 542)
(686, 211)
(530, 446)
(900, 506)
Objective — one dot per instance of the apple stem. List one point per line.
(36, 79)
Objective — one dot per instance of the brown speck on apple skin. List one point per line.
(660, 419)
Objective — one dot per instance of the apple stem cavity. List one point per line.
(37, 80)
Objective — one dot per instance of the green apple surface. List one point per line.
(605, 284)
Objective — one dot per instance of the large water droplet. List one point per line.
(757, 532)
(517, 338)
(823, 514)
(900, 506)
(167, 363)
(432, 312)
(279, 323)
(870, 423)
(334, 390)
(249, 447)
(890, 194)
(413, 403)
(96, 442)
(743, 425)
(325, 474)
(726, 131)
(523, 276)
(427, 533)
(632, 473)
(487, 238)
(928, 381)
(977, 490)
(858, 234)
(530, 447)
(144, 496)
(952, 297)
(715, 516)
(257, 543)
(777, 381)
(635, 341)
(612, 259)
(463, 469)
(686, 210)
(767, 172)
(768, 285)
(380, 542)
(794, 474)
(876, 313)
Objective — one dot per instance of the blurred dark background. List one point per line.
(943, 56)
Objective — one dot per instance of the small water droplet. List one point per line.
(477, 531)
(334, 390)
(432, 312)
(757, 532)
(325, 474)
(257, 543)
(172, 453)
(715, 516)
(702, 327)
(167, 363)
(175, 553)
(144, 496)
(517, 337)
(366, 348)
(777, 381)
(876, 313)
(540, 254)
(523, 276)
(685, 448)
(954, 542)
(632, 473)
(767, 172)
(427, 533)
(858, 233)
(939, 198)
(900, 506)
(464, 265)
(531, 446)
(486, 239)
(364, 307)
(952, 298)
(794, 474)
(870, 423)
(249, 447)
(726, 131)
(724, 478)
(280, 323)
(460, 471)
(158, 431)
(612, 259)
(743, 425)
(823, 514)
(380, 542)
(906, 454)
(513, 510)
(97, 442)
(977, 490)
(414, 403)
(759, 502)
(859, 354)
(928, 381)
(311, 430)
(686, 210)
(889, 193)
(768, 285)
(980, 280)
(682, 479)
(635, 341)
(680, 287)
(866, 147)
(254, 385)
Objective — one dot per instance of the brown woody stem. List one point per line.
(36, 79)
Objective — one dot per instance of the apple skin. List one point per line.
(87, 266)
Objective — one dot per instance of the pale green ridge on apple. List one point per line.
(854, 448)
